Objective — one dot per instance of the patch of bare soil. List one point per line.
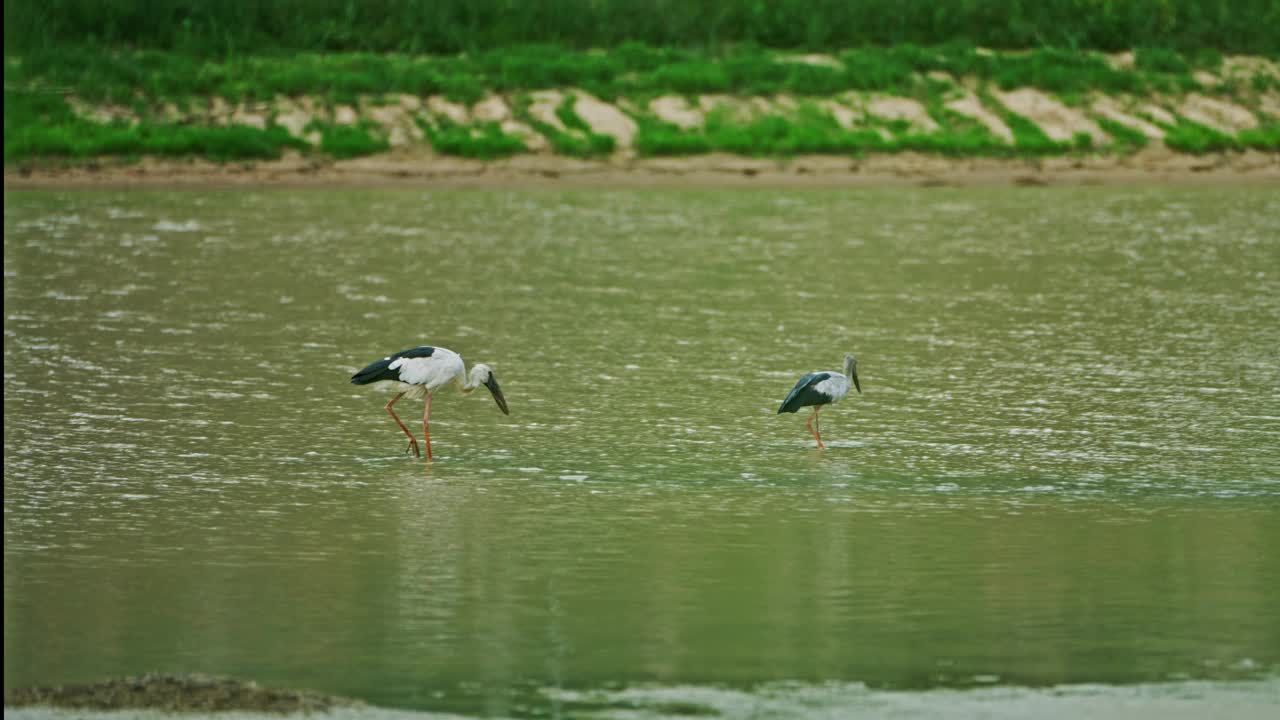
(1269, 104)
(294, 117)
(971, 106)
(1122, 60)
(495, 109)
(1058, 121)
(737, 108)
(1157, 113)
(397, 122)
(101, 113)
(675, 110)
(1243, 68)
(1112, 109)
(492, 109)
(456, 113)
(844, 117)
(813, 59)
(605, 119)
(1218, 114)
(543, 108)
(900, 108)
(176, 693)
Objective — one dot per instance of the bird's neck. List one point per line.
(472, 380)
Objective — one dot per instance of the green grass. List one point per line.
(1197, 139)
(485, 141)
(100, 74)
(44, 126)
(1062, 71)
(349, 141)
(1266, 137)
(803, 133)
(810, 130)
(1263, 82)
(655, 138)
(146, 80)
(87, 140)
(1161, 60)
(1124, 139)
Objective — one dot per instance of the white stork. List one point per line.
(822, 388)
(419, 372)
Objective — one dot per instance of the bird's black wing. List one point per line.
(381, 370)
(804, 394)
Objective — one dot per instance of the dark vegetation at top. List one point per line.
(228, 27)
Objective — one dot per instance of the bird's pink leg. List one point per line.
(426, 426)
(413, 442)
(816, 427)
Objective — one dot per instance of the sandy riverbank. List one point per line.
(421, 168)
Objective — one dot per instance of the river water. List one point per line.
(1064, 468)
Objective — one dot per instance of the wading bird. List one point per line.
(421, 371)
(821, 388)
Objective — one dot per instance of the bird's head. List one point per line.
(483, 375)
(851, 370)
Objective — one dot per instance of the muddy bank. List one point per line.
(176, 693)
(422, 168)
(1184, 700)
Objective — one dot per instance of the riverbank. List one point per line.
(1183, 700)
(175, 693)
(551, 112)
(1151, 166)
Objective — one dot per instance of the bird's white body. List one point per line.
(835, 387)
(421, 375)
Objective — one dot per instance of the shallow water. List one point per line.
(1064, 468)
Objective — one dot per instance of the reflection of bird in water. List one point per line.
(421, 371)
(821, 388)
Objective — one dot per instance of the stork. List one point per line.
(819, 389)
(419, 372)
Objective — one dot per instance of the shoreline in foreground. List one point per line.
(199, 697)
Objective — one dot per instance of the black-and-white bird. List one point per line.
(419, 372)
(819, 389)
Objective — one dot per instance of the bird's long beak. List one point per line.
(492, 384)
(856, 384)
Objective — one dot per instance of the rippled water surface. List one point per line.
(1065, 467)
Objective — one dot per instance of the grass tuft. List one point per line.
(1265, 138)
(1124, 139)
(350, 141)
(485, 141)
(1197, 139)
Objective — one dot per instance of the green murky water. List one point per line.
(1065, 467)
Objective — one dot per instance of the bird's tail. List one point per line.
(374, 372)
(793, 401)
(790, 405)
(800, 395)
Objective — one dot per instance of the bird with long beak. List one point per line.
(819, 389)
(419, 372)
